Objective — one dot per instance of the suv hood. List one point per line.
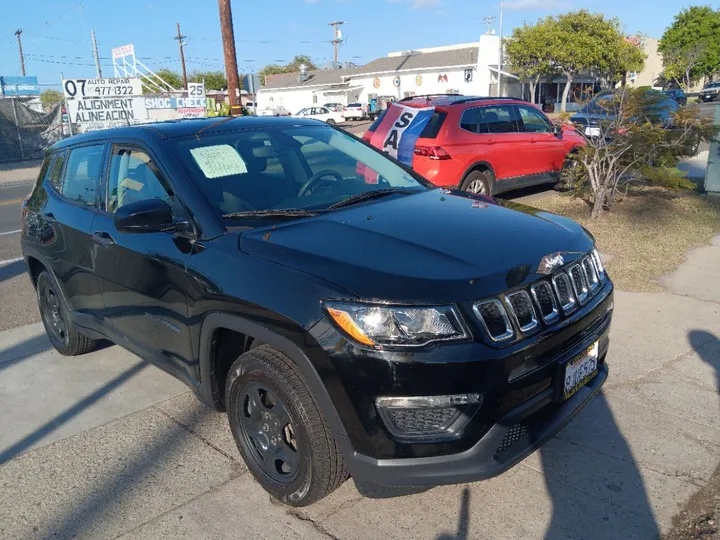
(436, 246)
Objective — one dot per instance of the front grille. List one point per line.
(513, 435)
(524, 310)
(422, 421)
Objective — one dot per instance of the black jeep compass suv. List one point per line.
(351, 319)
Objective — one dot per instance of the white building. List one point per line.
(467, 69)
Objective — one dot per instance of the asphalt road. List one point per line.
(17, 296)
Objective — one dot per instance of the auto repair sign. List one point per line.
(399, 131)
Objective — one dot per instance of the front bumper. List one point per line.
(508, 442)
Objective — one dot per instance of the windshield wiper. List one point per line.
(370, 195)
(288, 213)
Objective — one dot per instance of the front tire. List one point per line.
(279, 430)
(55, 315)
(478, 183)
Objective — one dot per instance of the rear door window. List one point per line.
(497, 119)
(82, 174)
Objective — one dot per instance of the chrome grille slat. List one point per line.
(579, 283)
(494, 309)
(521, 309)
(564, 292)
(544, 298)
(588, 267)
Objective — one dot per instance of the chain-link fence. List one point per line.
(26, 133)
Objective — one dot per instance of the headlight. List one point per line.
(375, 325)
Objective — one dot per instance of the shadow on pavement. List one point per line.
(65, 416)
(708, 348)
(21, 351)
(577, 472)
(11, 270)
(80, 518)
(463, 520)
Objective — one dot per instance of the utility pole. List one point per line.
(337, 39)
(95, 55)
(180, 38)
(18, 33)
(500, 52)
(228, 39)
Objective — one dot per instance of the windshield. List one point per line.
(308, 168)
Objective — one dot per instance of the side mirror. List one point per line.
(557, 130)
(150, 215)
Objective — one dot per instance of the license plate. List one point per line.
(580, 370)
(592, 131)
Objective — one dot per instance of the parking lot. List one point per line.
(107, 446)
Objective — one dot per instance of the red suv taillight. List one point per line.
(432, 152)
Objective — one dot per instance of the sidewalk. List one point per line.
(144, 460)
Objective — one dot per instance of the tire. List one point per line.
(567, 173)
(289, 449)
(330, 122)
(55, 315)
(478, 183)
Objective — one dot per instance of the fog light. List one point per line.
(427, 418)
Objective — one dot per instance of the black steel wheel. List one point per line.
(279, 430)
(55, 316)
(268, 430)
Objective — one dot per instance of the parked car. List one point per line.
(400, 334)
(321, 113)
(595, 117)
(355, 111)
(710, 91)
(277, 110)
(677, 94)
(337, 107)
(488, 145)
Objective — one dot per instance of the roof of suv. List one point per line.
(180, 128)
(446, 100)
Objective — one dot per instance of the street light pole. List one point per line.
(500, 53)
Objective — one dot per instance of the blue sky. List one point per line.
(57, 32)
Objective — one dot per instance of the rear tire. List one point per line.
(330, 122)
(55, 315)
(279, 430)
(478, 183)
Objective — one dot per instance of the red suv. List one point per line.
(488, 145)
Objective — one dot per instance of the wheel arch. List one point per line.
(481, 165)
(254, 335)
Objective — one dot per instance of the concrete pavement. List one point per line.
(105, 446)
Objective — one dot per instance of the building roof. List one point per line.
(418, 60)
(315, 77)
(439, 59)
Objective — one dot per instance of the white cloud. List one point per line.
(538, 5)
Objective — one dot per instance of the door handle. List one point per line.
(489, 141)
(103, 239)
(49, 217)
(532, 140)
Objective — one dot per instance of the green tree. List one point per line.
(50, 98)
(214, 80)
(290, 67)
(169, 76)
(584, 42)
(634, 146)
(528, 53)
(691, 45)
